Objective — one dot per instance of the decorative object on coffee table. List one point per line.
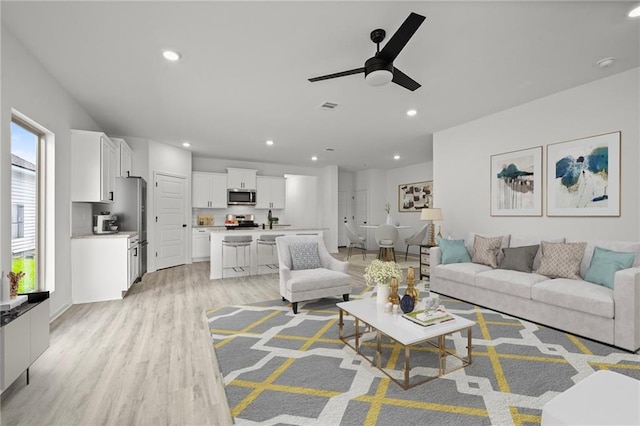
(411, 289)
(407, 303)
(14, 280)
(394, 298)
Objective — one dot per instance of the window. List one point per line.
(17, 221)
(32, 187)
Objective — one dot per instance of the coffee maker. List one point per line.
(105, 223)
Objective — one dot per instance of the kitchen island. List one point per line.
(218, 234)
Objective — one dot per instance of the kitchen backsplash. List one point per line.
(219, 214)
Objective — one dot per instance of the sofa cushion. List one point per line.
(304, 255)
(315, 279)
(531, 240)
(485, 250)
(605, 263)
(459, 272)
(472, 238)
(577, 295)
(625, 246)
(519, 258)
(453, 251)
(515, 283)
(561, 260)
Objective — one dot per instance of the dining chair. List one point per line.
(355, 240)
(416, 239)
(386, 237)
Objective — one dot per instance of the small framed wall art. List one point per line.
(516, 183)
(583, 176)
(413, 197)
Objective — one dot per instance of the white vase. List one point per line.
(382, 293)
(389, 220)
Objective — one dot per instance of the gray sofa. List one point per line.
(607, 315)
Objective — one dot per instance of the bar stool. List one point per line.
(268, 240)
(236, 242)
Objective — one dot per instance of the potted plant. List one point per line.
(379, 273)
(387, 208)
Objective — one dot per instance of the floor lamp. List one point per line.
(431, 215)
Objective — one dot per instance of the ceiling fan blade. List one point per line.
(404, 80)
(401, 37)
(338, 74)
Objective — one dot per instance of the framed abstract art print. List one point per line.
(583, 177)
(516, 183)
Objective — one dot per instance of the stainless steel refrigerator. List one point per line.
(130, 205)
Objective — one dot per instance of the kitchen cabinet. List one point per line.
(100, 267)
(200, 247)
(93, 167)
(241, 178)
(23, 339)
(133, 265)
(270, 192)
(209, 190)
(124, 156)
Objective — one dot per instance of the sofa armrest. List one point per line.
(626, 298)
(285, 275)
(435, 256)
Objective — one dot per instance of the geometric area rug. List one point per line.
(285, 369)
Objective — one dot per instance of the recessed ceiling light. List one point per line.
(314, 158)
(606, 62)
(269, 142)
(396, 157)
(187, 144)
(635, 12)
(171, 55)
(412, 112)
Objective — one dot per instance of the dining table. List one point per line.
(386, 255)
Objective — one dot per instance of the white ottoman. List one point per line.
(603, 398)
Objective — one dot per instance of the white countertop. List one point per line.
(259, 230)
(119, 234)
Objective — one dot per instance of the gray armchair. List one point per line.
(416, 239)
(305, 275)
(355, 240)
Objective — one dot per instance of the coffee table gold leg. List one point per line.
(469, 345)
(357, 335)
(379, 349)
(406, 367)
(442, 355)
(340, 325)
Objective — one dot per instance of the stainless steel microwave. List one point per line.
(245, 197)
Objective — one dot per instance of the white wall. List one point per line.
(462, 159)
(30, 89)
(329, 206)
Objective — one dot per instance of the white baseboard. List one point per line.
(59, 312)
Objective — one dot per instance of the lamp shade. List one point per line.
(431, 214)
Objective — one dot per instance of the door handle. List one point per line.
(184, 225)
(135, 252)
(111, 195)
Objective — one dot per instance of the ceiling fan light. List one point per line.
(379, 77)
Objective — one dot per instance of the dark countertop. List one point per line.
(7, 316)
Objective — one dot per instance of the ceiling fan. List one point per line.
(379, 70)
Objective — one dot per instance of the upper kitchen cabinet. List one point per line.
(93, 167)
(124, 156)
(241, 178)
(270, 192)
(209, 190)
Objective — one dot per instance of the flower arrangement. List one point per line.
(14, 279)
(387, 208)
(380, 272)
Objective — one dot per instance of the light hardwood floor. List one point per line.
(146, 359)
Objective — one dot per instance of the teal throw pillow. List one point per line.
(604, 265)
(453, 251)
(304, 256)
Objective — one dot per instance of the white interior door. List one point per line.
(171, 224)
(361, 217)
(343, 214)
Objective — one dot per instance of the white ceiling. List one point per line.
(243, 76)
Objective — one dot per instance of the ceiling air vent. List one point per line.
(328, 106)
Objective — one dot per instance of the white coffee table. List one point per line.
(404, 332)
